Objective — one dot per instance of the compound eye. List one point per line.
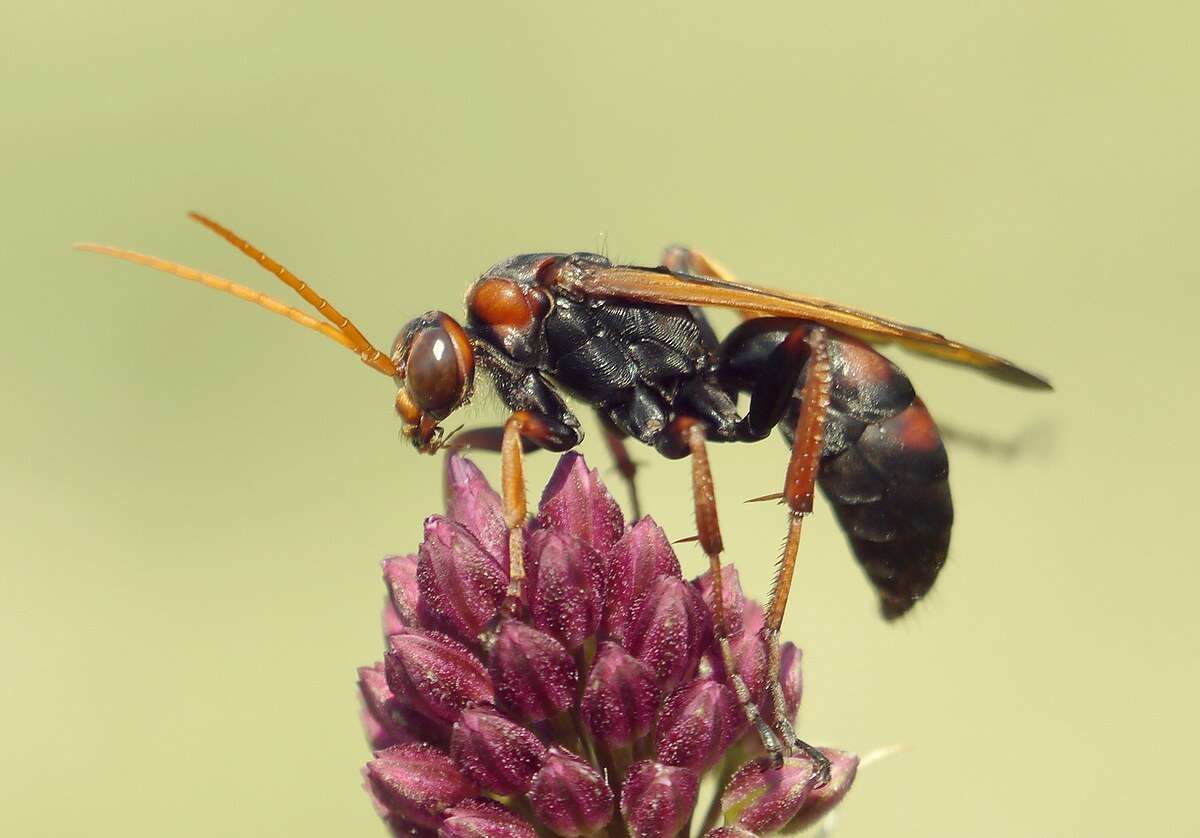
(440, 367)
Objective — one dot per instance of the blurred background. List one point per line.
(196, 495)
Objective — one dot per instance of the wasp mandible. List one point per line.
(634, 344)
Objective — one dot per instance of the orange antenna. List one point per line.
(377, 361)
(370, 353)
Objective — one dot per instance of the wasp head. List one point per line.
(435, 371)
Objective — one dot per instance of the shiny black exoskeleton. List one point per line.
(645, 367)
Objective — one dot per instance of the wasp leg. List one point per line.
(488, 438)
(544, 432)
(625, 466)
(798, 492)
(688, 435)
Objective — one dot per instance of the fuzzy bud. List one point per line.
(415, 783)
(698, 722)
(563, 582)
(534, 675)
(386, 720)
(657, 800)
(400, 576)
(762, 798)
(472, 502)
(732, 598)
(436, 675)
(636, 561)
(569, 796)
(459, 581)
(842, 769)
(481, 818)
(498, 754)
(671, 631)
(576, 501)
(791, 678)
(729, 832)
(620, 697)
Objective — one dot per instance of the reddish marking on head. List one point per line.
(915, 428)
(500, 302)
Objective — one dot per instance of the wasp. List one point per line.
(634, 344)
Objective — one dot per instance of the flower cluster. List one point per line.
(595, 701)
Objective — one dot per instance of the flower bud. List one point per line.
(732, 598)
(482, 818)
(575, 501)
(670, 632)
(620, 697)
(569, 796)
(639, 557)
(657, 800)
(416, 783)
(534, 675)
(400, 576)
(459, 581)
(749, 653)
(498, 754)
(762, 798)
(436, 675)
(563, 584)
(729, 832)
(698, 722)
(472, 502)
(791, 678)
(389, 721)
(842, 769)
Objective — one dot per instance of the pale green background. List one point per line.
(196, 495)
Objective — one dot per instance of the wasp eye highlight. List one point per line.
(440, 366)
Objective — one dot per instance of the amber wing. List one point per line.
(657, 285)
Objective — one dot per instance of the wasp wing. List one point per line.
(658, 285)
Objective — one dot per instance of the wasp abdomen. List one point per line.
(884, 470)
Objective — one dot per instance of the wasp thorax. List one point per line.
(436, 364)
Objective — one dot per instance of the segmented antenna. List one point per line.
(339, 328)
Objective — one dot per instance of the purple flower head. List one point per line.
(636, 561)
(564, 586)
(400, 576)
(731, 596)
(535, 676)
(416, 783)
(697, 724)
(620, 698)
(500, 755)
(657, 800)
(499, 714)
(671, 632)
(842, 769)
(472, 502)
(569, 796)
(482, 818)
(576, 502)
(460, 583)
(434, 674)
(762, 798)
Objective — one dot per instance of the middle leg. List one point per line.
(687, 435)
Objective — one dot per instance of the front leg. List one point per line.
(523, 390)
(539, 419)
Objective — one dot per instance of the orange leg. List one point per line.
(798, 491)
(522, 428)
(689, 434)
(626, 466)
